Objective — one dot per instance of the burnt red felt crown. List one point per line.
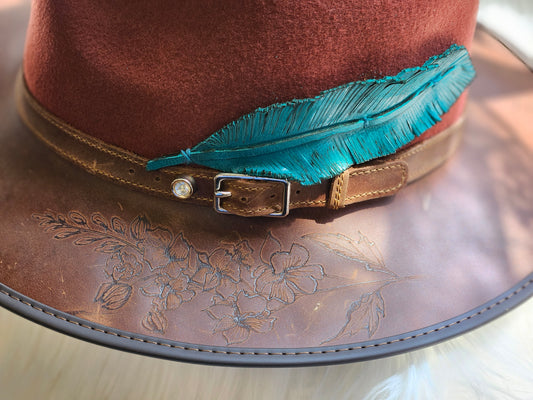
(155, 77)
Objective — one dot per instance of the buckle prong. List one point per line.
(221, 194)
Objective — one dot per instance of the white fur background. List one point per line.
(492, 362)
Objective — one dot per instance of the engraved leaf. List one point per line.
(89, 238)
(100, 220)
(48, 221)
(66, 233)
(118, 225)
(110, 246)
(370, 252)
(363, 250)
(377, 312)
(138, 227)
(270, 246)
(44, 219)
(363, 314)
(77, 218)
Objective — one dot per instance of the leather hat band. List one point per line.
(236, 194)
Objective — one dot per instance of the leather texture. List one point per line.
(113, 265)
(250, 198)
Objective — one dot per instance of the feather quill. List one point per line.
(308, 140)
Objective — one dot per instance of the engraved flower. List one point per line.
(113, 295)
(169, 292)
(179, 248)
(224, 266)
(155, 320)
(238, 316)
(287, 274)
(242, 252)
(123, 265)
(155, 246)
(181, 256)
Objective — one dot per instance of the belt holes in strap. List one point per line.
(132, 172)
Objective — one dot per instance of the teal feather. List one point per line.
(313, 139)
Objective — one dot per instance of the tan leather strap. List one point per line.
(247, 196)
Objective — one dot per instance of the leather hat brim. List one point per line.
(124, 269)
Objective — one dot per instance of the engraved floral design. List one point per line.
(168, 292)
(123, 266)
(238, 316)
(245, 291)
(366, 311)
(155, 320)
(221, 265)
(113, 295)
(363, 313)
(285, 274)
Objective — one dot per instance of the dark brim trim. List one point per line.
(246, 357)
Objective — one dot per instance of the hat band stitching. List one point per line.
(387, 190)
(201, 198)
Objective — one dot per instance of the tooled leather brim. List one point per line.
(124, 269)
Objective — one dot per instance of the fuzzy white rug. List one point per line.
(492, 362)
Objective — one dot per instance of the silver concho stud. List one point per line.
(183, 187)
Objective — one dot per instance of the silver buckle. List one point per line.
(219, 194)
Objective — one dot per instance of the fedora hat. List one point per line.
(161, 258)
